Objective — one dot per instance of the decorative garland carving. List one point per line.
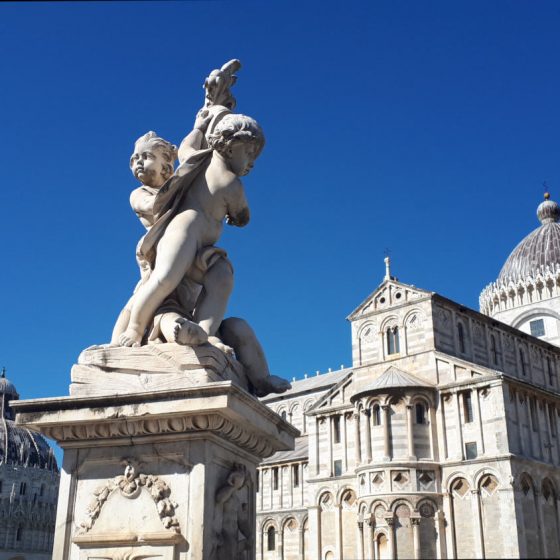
(130, 485)
(127, 427)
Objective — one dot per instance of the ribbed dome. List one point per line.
(20, 446)
(541, 248)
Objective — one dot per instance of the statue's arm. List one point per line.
(237, 207)
(195, 140)
(142, 202)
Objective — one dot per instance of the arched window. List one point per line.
(283, 415)
(420, 413)
(271, 539)
(461, 335)
(493, 350)
(550, 372)
(376, 415)
(393, 345)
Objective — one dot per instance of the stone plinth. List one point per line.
(168, 474)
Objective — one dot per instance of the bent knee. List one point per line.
(236, 327)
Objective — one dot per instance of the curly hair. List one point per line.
(236, 128)
(168, 150)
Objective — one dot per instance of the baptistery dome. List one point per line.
(20, 446)
(29, 480)
(541, 248)
(526, 294)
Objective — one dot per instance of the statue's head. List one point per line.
(240, 140)
(153, 159)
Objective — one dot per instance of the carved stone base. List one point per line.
(110, 370)
(168, 474)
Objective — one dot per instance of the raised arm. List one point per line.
(194, 140)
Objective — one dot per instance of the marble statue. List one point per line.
(186, 280)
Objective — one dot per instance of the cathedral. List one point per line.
(443, 438)
(29, 479)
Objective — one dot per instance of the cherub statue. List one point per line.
(215, 193)
(182, 295)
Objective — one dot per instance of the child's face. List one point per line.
(148, 164)
(242, 157)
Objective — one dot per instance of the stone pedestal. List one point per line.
(167, 474)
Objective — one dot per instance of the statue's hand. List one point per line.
(203, 118)
(230, 221)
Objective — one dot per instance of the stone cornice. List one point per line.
(220, 408)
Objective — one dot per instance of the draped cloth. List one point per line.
(168, 203)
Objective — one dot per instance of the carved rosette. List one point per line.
(130, 485)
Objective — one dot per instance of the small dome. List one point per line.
(541, 248)
(20, 446)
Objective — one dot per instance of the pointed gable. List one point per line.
(391, 293)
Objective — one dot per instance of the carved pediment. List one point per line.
(389, 294)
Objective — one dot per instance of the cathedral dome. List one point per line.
(540, 249)
(19, 446)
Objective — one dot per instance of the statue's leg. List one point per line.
(176, 253)
(240, 336)
(176, 328)
(217, 285)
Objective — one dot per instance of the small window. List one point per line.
(393, 345)
(461, 335)
(467, 407)
(550, 371)
(295, 476)
(42, 490)
(420, 414)
(534, 417)
(336, 428)
(338, 467)
(275, 478)
(522, 362)
(271, 539)
(537, 327)
(552, 419)
(19, 533)
(376, 415)
(493, 350)
(22, 488)
(471, 450)
(0, 487)
(283, 415)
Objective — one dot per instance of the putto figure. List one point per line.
(216, 193)
(186, 280)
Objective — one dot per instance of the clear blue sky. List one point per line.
(422, 127)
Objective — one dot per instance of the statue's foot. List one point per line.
(130, 338)
(215, 341)
(271, 384)
(189, 333)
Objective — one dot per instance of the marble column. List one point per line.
(540, 520)
(317, 447)
(442, 427)
(386, 432)
(360, 540)
(338, 530)
(410, 431)
(367, 420)
(343, 440)
(416, 537)
(459, 431)
(441, 551)
(432, 432)
(370, 529)
(476, 394)
(329, 421)
(357, 439)
(519, 422)
(546, 412)
(477, 524)
(450, 533)
(528, 400)
(392, 545)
